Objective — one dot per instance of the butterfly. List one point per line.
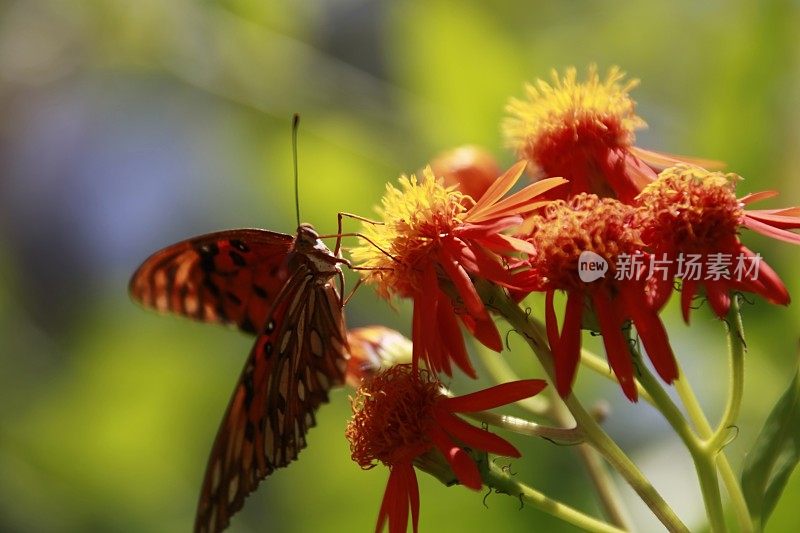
(282, 289)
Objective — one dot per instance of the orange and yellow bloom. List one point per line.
(606, 228)
(403, 414)
(431, 244)
(585, 132)
(690, 213)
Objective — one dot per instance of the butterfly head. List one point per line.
(308, 244)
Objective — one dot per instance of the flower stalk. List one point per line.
(498, 300)
(502, 483)
(704, 462)
(736, 351)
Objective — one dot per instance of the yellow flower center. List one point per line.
(417, 216)
(562, 121)
(689, 209)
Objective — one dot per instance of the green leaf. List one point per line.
(774, 456)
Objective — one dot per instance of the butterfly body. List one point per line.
(283, 289)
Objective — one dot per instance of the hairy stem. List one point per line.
(504, 484)
(736, 350)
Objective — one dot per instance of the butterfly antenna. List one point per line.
(295, 127)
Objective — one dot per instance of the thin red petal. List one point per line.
(398, 519)
(413, 496)
(417, 351)
(569, 352)
(718, 298)
(771, 231)
(463, 284)
(462, 253)
(462, 464)
(551, 322)
(654, 336)
(518, 245)
(484, 330)
(662, 160)
(490, 269)
(469, 230)
(475, 438)
(502, 394)
(452, 340)
(783, 219)
(617, 352)
(688, 290)
(660, 289)
(389, 502)
(757, 196)
(626, 174)
(772, 288)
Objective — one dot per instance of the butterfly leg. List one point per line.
(342, 299)
(353, 291)
(340, 215)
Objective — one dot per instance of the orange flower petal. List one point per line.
(661, 160)
(496, 191)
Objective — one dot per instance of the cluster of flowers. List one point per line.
(593, 191)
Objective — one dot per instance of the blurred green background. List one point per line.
(130, 125)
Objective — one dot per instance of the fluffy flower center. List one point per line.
(392, 416)
(566, 118)
(690, 209)
(418, 216)
(586, 223)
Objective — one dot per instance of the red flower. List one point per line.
(692, 215)
(561, 235)
(403, 415)
(433, 244)
(584, 131)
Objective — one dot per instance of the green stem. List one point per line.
(521, 426)
(607, 493)
(702, 458)
(729, 479)
(502, 483)
(498, 300)
(736, 349)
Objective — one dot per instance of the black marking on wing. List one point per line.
(286, 378)
(213, 278)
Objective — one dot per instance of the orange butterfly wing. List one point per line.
(228, 277)
(299, 355)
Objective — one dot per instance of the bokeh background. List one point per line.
(126, 126)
